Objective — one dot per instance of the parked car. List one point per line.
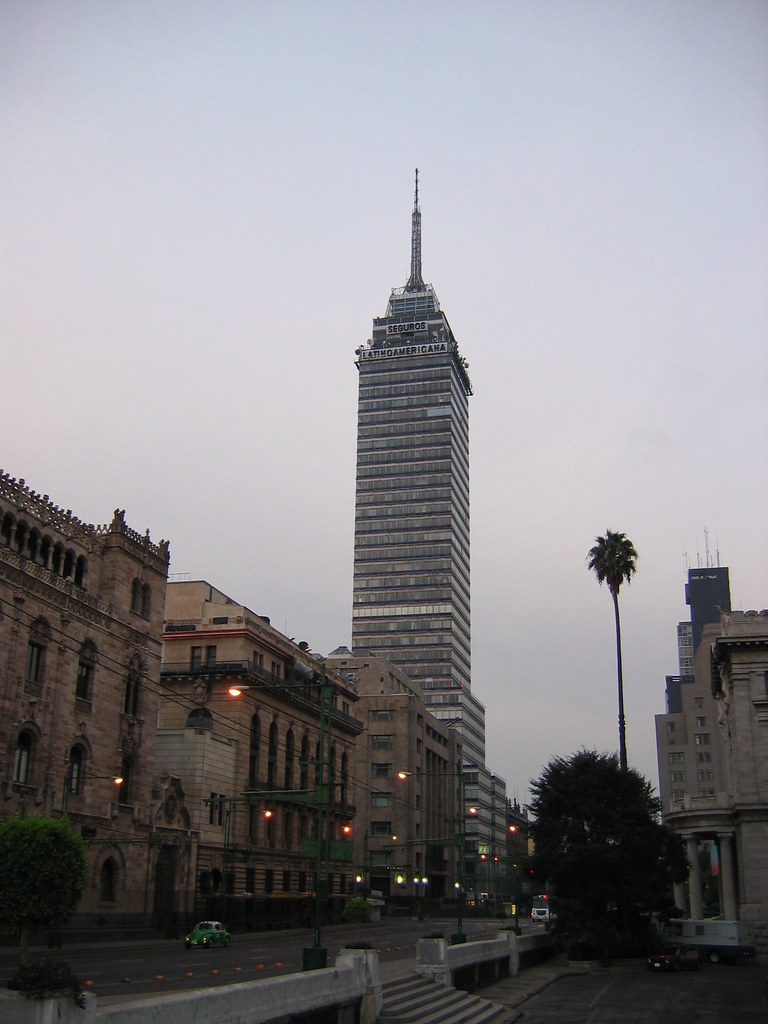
(207, 933)
(677, 958)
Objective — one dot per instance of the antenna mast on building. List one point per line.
(415, 281)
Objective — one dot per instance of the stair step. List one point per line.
(418, 1000)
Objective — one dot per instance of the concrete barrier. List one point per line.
(352, 988)
(470, 965)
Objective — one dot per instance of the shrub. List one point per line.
(44, 979)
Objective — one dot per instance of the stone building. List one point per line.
(81, 613)
(734, 818)
(400, 820)
(267, 772)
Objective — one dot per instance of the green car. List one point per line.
(207, 933)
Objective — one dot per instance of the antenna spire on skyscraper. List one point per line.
(415, 281)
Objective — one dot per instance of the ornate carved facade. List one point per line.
(81, 615)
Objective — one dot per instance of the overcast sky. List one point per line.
(205, 204)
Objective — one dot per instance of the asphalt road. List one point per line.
(133, 968)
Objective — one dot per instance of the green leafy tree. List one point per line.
(613, 560)
(42, 873)
(600, 846)
(356, 911)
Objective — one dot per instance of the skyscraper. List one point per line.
(411, 598)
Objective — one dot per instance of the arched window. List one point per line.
(20, 538)
(205, 881)
(136, 596)
(75, 773)
(6, 530)
(108, 881)
(133, 688)
(80, 567)
(69, 564)
(33, 545)
(200, 718)
(304, 763)
(289, 754)
(45, 552)
(22, 757)
(56, 560)
(216, 880)
(253, 752)
(288, 830)
(86, 668)
(146, 600)
(272, 756)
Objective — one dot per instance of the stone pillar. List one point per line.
(727, 880)
(680, 900)
(694, 877)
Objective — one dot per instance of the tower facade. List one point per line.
(411, 592)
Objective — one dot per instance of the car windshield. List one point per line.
(204, 926)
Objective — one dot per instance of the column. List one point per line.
(694, 877)
(727, 881)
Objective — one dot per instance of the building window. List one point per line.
(269, 880)
(250, 880)
(107, 881)
(701, 722)
(670, 726)
(272, 757)
(381, 828)
(141, 598)
(698, 703)
(286, 880)
(704, 775)
(253, 753)
(132, 688)
(75, 773)
(381, 742)
(195, 658)
(381, 771)
(86, 667)
(125, 789)
(289, 757)
(216, 809)
(210, 656)
(381, 799)
(304, 764)
(33, 670)
(200, 718)
(701, 739)
(677, 776)
(676, 757)
(302, 881)
(22, 757)
(381, 716)
(703, 757)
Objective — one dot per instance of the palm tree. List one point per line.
(613, 559)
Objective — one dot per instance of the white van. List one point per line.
(715, 939)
